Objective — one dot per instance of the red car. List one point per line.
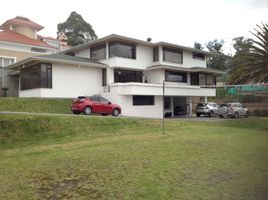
(94, 104)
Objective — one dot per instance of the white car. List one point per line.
(208, 109)
(234, 110)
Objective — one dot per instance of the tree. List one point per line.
(77, 30)
(217, 59)
(198, 46)
(250, 63)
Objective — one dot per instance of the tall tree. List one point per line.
(77, 30)
(217, 59)
(250, 63)
(198, 45)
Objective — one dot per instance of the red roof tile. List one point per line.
(21, 21)
(11, 36)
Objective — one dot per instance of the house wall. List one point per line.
(27, 31)
(19, 55)
(155, 76)
(69, 81)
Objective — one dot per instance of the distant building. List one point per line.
(19, 40)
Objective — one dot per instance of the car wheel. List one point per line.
(88, 110)
(211, 114)
(197, 114)
(236, 115)
(246, 114)
(221, 116)
(115, 112)
(76, 112)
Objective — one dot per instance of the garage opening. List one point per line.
(176, 106)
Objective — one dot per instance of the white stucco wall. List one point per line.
(69, 81)
(188, 60)
(155, 76)
(85, 53)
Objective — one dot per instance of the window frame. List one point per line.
(98, 47)
(133, 49)
(179, 73)
(118, 73)
(138, 101)
(7, 57)
(155, 54)
(172, 50)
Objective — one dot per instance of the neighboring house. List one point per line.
(19, 40)
(127, 71)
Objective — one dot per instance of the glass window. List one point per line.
(172, 55)
(98, 53)
(36, 76)
(103, 100)
(194, 79)
(38, 50)
(6, 61)
(104, 77)
(123, 76)
(139, 100)
(155, 54)
(174, 76)
(198, 56)
(210, 79)
(120, 49)
(202, 79)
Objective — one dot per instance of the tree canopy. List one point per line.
(77, 30)
(250, 62)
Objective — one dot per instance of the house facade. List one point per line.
(146, 79)
(19, 39)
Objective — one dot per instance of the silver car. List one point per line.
(208, 109)
(234, 110)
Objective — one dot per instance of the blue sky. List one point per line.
(175, 21)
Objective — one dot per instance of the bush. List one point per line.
(260, 112)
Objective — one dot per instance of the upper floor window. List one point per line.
(155, 54)
(121, 49)
(172, 55)
(198, 56)
(98, 52)
(202, 79)
(4, 61)
(174, 76)
(123, 76)
(36, 76)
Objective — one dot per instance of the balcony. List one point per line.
(171, 89)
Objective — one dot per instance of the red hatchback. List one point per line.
(94, 104)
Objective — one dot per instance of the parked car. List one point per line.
(94, 104)
(208, 109)
(232, 110)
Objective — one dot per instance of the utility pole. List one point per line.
(163, 120)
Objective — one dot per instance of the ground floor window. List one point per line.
(139, 100)
(36, 76)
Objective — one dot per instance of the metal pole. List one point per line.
(163, 120)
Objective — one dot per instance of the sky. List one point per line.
(174, 21)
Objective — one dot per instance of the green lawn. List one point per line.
(78, 157)
(38, 105)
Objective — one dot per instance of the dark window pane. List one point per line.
(199, 56)
(194, 79)
(36, 76)
(155, 54)
(172, 55)
(210, 79)
(119, 49)
(104, 77)
(123, 76)
(98, 53)
(143, 100)
(173, 76)
(202, 79)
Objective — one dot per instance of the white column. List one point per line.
(188, 78)
(160, 54)
(206, 99)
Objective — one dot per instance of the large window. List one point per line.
(198, 56)
(172, 55)
(36, 76)
(120, 49)
(123, 76)
(173, 76)
(104, 77)
(202, 79)
(4, 61)
(139, 100)
(155, 54)
(98, 52)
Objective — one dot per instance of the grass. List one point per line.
(78, 157)
(37, 105)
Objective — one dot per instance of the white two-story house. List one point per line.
(146, 79)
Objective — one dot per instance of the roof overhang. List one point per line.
(113, 37)
(188, 69)
(31, 60)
